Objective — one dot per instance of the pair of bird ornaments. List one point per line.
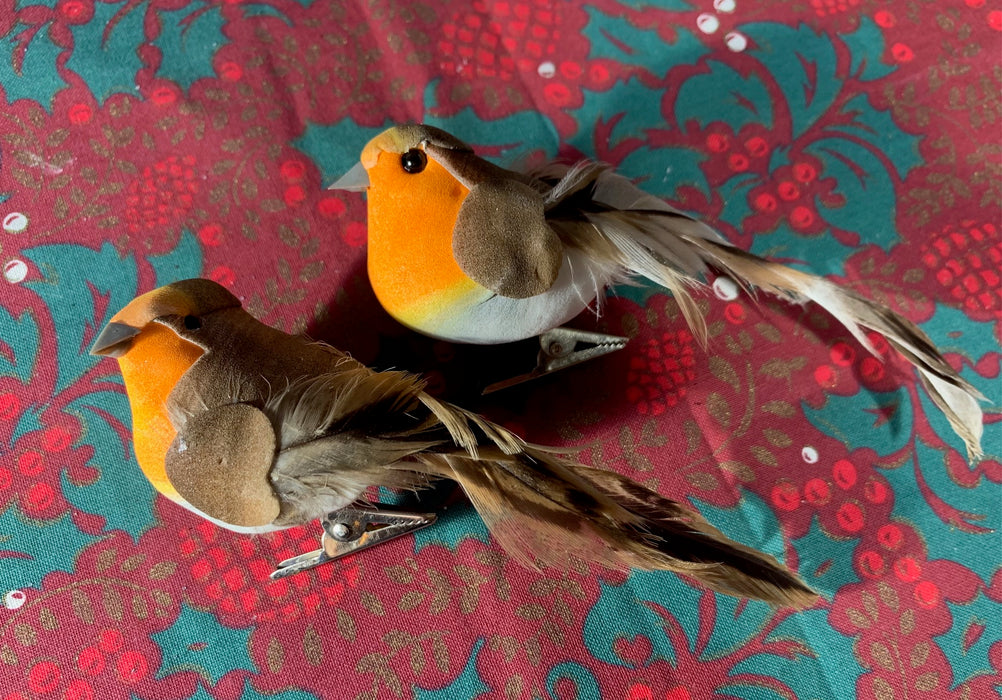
(258, 430)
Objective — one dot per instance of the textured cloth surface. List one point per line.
(144, 142)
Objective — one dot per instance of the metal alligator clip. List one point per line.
(353, 529)
(559, 349)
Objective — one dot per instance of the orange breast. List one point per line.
(411, 218)
(153, 365)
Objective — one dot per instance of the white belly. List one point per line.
(498, 319)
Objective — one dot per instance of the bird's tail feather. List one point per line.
(640, 235)
(547, 511)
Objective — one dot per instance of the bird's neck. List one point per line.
(155, 362)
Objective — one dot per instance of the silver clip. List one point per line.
(353, 529)
(558, 349)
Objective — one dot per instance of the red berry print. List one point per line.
(785, 496)
(757, 146)
(907, 569)
(658, 376)
(842, 354)
(717, 143)
(788, 191)
(802, 217)
(875, 490)
(966, 261)
(80, 114)
(927, 594)
(738, 162)
(850, 517)
(331, 207)
(871, 564)
(817, 492)
(825, 376)
(890, 536)
(355, 234)
(211, 234)
(230, 71)
(766, 203)
(233, 573)
(44, 677)
(902, 53)
(162, 194)
(884, 19)
(844, 473)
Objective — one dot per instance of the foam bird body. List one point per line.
(259, 430)
(463, 250)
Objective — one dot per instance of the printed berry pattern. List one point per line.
(143, 143)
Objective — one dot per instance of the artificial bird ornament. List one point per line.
(259, 430)
(463, 250)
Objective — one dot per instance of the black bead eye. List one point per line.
(414, 161)
(192, 323)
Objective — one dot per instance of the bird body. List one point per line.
(258, 430)
(463, 250)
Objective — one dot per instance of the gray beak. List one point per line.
(113, 341)
(355, 180)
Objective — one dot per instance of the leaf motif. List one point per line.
(858, 619)
(927, 681)
(104, 560)
(47, 619)
(737, 99)
(777, 437)
(742, 471)
(112, 601)
(718, 407)
(399, 574)
(418, 660)
(781, 367)
(732, 345)
(110, 63)
(440, 653)
(769, 332)
(25, 635)
(313, 647)
(764, 455)
(693, 435)
(410, 600)
(513, 687)
(133, 562)
(531, 611)
(162, 600)
(703, 480)
(882, 689)
(38, 79)
(888, 595)
(724, 371)
(372, 603)
(397, 639)
(919, 655)
(907, 622)
(882, 655)
(870, 605)
(346, 625)
(163, 570)
(533, 652)
(139, 607)
(275, 655)
(82, 606)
